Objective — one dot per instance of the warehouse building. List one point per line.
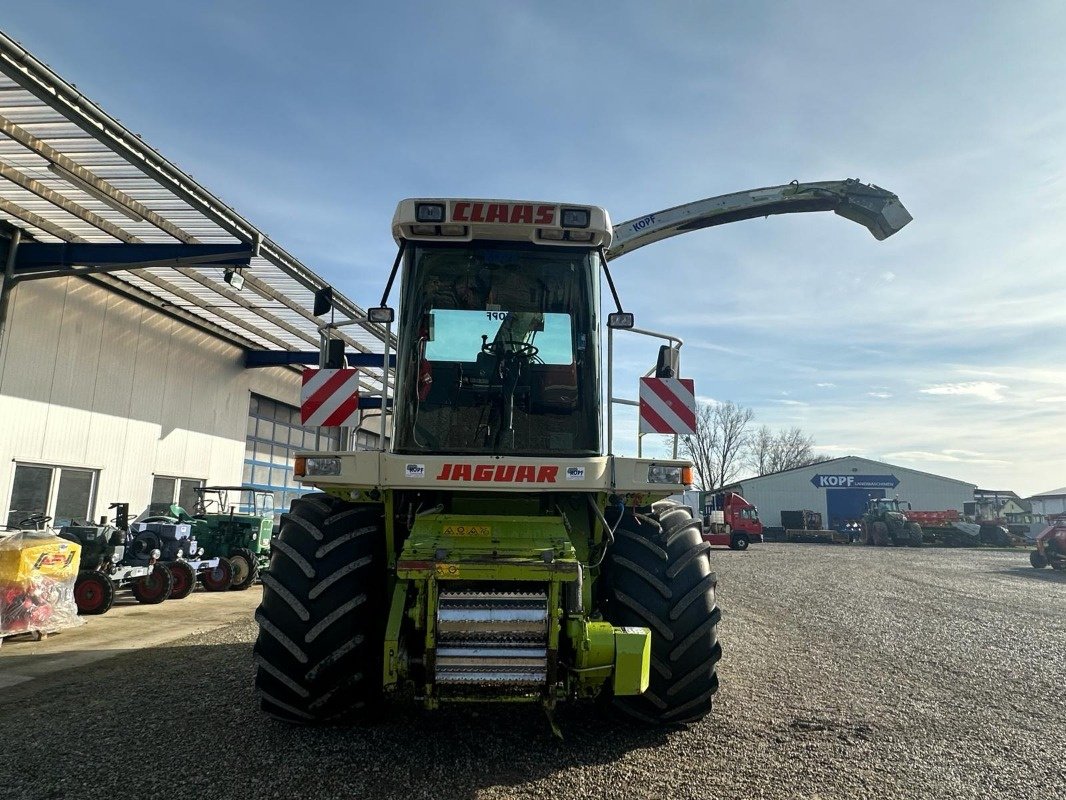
(1049, 504)
(151, 339)
(840, 488)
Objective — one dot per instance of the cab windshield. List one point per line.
(498, 351)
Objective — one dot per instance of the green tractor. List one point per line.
(235, 523)
(884, 524)
(498, 551)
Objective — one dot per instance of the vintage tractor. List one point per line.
(885, 523)
(235, 523)
(167, 532)
(106, 567)
(495, 552)
(1050, 547)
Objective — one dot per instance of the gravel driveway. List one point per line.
(848, 672)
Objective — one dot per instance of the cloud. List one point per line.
(881, 395)
(945, 456)
(986, 390)
(826, 385)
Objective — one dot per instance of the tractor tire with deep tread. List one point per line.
(245, 568)
(1037, 559)
(155, 587)
(913, 533)
(658, 576)
(94, 593)
(322, 620)
(184, 580)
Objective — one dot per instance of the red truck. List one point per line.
(730, 521)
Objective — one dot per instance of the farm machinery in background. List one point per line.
(885, 523)
(235, 523)
(1051, 546)
(499, 551)
(728, 519)
(949, 529)
(108, 564)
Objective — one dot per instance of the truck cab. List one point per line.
(730, 521)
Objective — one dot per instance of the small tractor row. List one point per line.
(165, 551)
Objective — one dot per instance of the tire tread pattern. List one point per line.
(657, 575)
(321, 623)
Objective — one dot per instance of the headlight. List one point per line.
(116, 556)
(156, 554)
(180, 554)
(322, 466)
(660, 473)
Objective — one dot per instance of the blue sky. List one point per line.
(941, 349)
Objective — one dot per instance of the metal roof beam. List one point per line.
(46, 151)
(64, 203)
(272, 358)
(34, 260)
(42, 148)
(38, 79)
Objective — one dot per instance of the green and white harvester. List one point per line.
(497, 550)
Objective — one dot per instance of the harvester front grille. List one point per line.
(497, 639)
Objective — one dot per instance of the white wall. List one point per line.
(91, 379)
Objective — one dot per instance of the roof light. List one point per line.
(575, 217)
(620, 319)
(424, 230)
(453, 230)
(429, 212)
(380, 314)
(549, 233)
(579, 236)
(234, 277)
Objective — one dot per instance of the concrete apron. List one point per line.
(128, 626)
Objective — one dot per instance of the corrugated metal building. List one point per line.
(840, 488)
(131, 301)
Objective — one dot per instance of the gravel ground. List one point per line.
(848, 673)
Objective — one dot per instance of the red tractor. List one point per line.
(1050, 546)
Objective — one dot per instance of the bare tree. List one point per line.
(716, 448)
(700, 447)
(787, 449)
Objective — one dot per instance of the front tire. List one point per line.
(322, 620)
(155, 587)
(658, 576)
(94, 593)
(1038, 560)
(219, 578)
(245, 569)
(184, 580)
(739, 542)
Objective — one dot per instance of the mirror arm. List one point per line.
(392, 275)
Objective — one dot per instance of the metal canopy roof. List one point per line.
(71, 173)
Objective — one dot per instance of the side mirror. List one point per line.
(381, 314)
(668, 364)
(323, 301)
(335, 354)
(620, 319)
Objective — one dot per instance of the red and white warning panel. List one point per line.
(330, 398)
(667, 405)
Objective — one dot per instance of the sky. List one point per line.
(941, 349)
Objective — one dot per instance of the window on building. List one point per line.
(167, 491)
(275, 435)
(64, 493)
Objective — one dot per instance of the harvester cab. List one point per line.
(498, 550)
